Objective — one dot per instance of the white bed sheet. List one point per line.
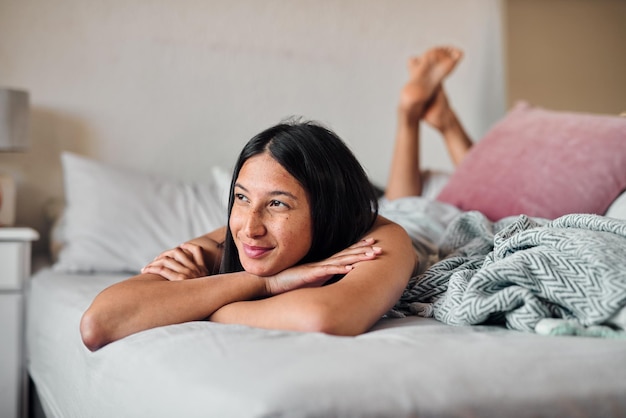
(401, 368)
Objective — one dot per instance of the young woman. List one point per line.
(304, 248)
(301, 212)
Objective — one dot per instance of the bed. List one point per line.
(426, 357)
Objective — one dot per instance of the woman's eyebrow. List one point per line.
(272, 193)
(283, 193)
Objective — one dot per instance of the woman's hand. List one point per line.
(181, 263)
(316, 273)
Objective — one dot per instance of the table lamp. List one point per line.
(14, 133)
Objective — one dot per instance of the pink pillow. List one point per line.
(542, 163)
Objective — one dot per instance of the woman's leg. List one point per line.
(440, 116)
(425, 76)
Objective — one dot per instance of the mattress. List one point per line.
(401, 367)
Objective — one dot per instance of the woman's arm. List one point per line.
(198, 257)
(150, 300)
(348, 307)
(147, 301)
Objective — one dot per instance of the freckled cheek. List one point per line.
(296, 236)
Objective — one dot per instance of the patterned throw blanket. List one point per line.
(566, 276)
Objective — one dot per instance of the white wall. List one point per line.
(174, 87)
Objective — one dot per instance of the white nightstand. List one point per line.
(15, 261)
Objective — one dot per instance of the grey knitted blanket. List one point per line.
(566, 276)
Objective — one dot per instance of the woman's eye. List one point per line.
(241, 197)
(277, 203)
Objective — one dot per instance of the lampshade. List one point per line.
(14, 120)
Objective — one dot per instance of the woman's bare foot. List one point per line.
(425, 76)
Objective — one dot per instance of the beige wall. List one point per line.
(174, 87)
(567, 54)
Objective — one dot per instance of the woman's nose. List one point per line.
(255, 226)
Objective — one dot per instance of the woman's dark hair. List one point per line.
(342, 199)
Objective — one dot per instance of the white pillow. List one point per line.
(118, 220)
(618, 208)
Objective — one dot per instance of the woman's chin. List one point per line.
(258, 269)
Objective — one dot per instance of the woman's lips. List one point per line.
(253, 251)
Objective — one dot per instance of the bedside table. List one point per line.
(15, 261)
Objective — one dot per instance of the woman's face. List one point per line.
(271, 217)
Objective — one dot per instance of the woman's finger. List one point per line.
(363, 243)
(354, 258)
(196, 253)
(170, 264)
(184, 255)
(164, 272)
(365, 252)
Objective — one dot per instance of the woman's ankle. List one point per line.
(449, 124)
(409, 117)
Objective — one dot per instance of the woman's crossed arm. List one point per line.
(348, 307)
(175, 289)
